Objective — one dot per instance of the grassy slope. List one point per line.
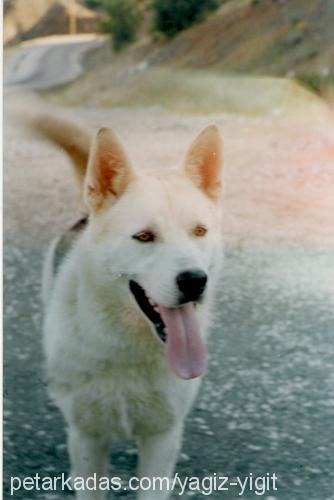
(189, 73)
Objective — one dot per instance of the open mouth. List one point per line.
(149, 308)
(179, 329)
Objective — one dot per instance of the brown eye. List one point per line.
(144, 236)
(200, 231)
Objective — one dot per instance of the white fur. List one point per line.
(107, 369)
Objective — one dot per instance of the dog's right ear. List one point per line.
(109, 169)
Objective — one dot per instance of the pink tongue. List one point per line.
(186, 352)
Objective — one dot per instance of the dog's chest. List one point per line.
(114, 376)
(123, 407)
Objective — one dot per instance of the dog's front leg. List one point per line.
(157, 458)
(89, 459)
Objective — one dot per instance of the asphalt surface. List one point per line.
(267, 403)
(54, 61)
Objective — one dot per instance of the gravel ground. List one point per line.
(267, 403)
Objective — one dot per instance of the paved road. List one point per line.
(47, 63)
(267, 403)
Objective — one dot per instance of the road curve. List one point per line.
(48, 62)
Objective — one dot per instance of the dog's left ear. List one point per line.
(204, 162)
(109, 169)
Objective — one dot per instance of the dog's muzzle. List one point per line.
(178, 327)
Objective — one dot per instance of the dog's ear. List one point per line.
(109, 169)
(204, 162)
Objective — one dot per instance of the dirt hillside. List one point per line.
(276, 38)
(34, 18)
(260, 36)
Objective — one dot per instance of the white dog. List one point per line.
(127, 294)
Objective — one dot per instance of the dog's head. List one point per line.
(161, 230)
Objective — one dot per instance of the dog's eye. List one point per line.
(144, 236)
(200, 231)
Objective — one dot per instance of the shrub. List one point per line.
(93, 4)
(311, 81)
(122, 21)
(173, 16)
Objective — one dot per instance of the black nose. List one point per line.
(192, 284)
